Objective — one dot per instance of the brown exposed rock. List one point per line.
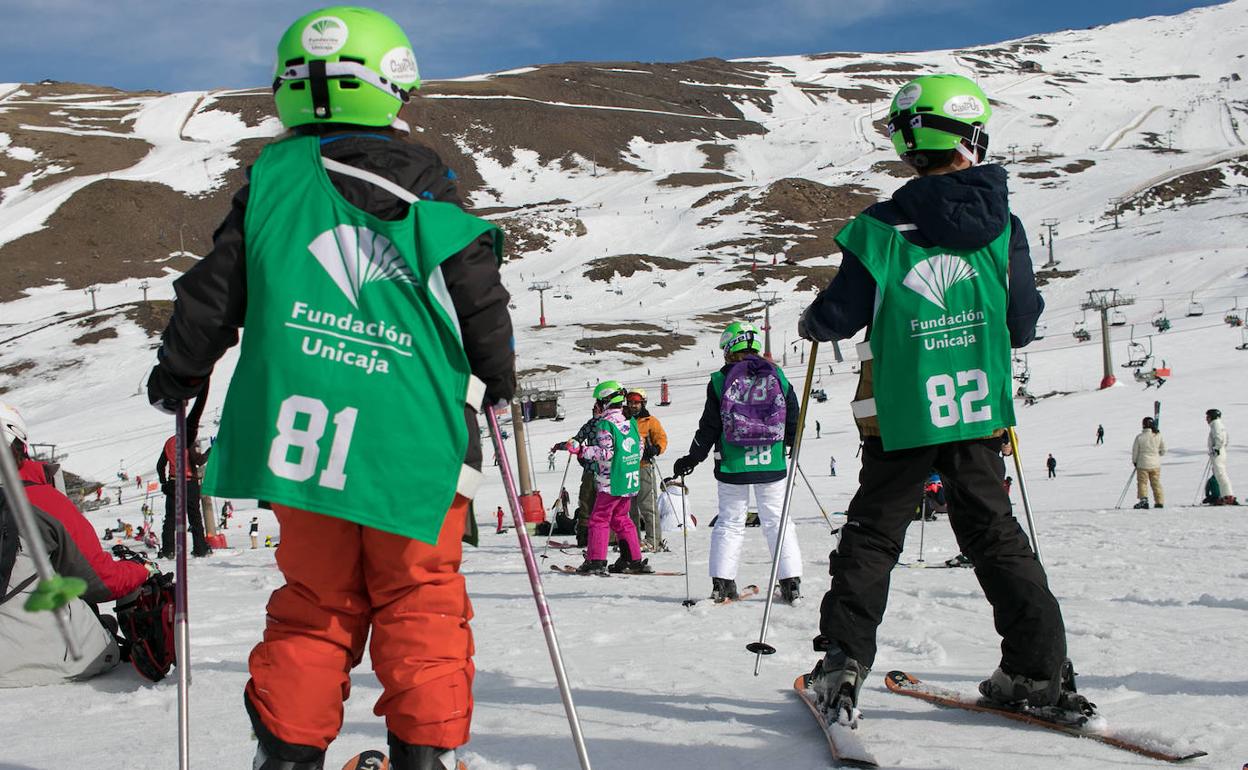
(696, 179)
(625, 265)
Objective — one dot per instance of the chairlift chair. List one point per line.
(1233, 320)
(1160, 322)
(1040, 330)
(1243, 345)
(1117, 318)
(1194, 308)
(1081, 332)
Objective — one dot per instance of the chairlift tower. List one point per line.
(1051, 226)
(1103, 301)
(541, 287)
(768, 298)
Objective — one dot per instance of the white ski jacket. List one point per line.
(1147, 450)
(1218, 438)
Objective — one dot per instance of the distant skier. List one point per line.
(832, 465)
(818, 431)
(1146, 453)
(748, 435)
(376, 327)
(1051, 464)
(499, 515)
(1100, 434)
(615, 455)
(945, 243)
(254, 532)
(1219, 443)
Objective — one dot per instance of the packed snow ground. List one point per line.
(1155, 601)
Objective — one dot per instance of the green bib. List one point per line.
(748, 459)
(348, 398)
(939, 342)
(626, 462)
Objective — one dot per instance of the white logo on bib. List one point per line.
(932, 277)
(354, 256)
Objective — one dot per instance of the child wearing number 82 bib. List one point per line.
(377, 326)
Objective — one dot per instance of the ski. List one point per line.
(847, 748)
(568, 569)
(742, 595)
(377, 760)
(1064, 722)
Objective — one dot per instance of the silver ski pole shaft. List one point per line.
(761, 648)
(684, 526)
(1022, 489)
(181, 635)
(812, 494)
(535, 582)
(551, 533)
(54, 591)
(1125, 487)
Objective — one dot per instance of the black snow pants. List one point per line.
(194, 521)
(1025, 612)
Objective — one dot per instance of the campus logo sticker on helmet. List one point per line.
(907, 96)
(399, 65)
(355, 256)
(324, 35)
(964, 106)
(932, 277)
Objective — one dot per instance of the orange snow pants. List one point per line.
(341, 580)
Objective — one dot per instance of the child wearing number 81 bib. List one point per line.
(616, 463)
(377, 326)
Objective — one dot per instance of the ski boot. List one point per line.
(959, 561)
(1228, 500)
(631, 566)
(836, 681)
(1014, 691)
(723, 590)
(1142, 504)
(593, 567)
(791, 590)
(404, 756)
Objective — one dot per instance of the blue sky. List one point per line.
(177, 45)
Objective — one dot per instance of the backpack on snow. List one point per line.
(147, 622)
(752, 406)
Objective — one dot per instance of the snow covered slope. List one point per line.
(1143, 119)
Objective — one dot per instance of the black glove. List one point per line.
(651, 452)
(684, 466)
(165, 389)
(168, 487)
(1217, 452)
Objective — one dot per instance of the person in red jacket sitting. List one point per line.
(35, 652)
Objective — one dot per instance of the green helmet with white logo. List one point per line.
(344, 64)
(610, 392)
(939, 112)
(740, 335)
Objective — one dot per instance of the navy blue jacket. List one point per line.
(963, 210)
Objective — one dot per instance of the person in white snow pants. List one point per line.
(729, 531)
(1219, 443)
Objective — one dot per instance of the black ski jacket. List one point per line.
(710, 435)
(963, 210)
(211, 297)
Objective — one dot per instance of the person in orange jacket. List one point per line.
(645, 506)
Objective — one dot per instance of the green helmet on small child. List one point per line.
(935, 113)
(738, 336)
(344, 64)
(609, 393)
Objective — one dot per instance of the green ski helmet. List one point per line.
(740, 335)
(609, 392)
(344, 64)
(939, 112)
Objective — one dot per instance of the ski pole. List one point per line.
(761, 648)
(922, 524)
(1204, 480)
(52, 592)
(562, 481)
(535, 582)
(1022, 489)
(812, 494)
(181, 638)
(1125, 487)
(684, 526)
